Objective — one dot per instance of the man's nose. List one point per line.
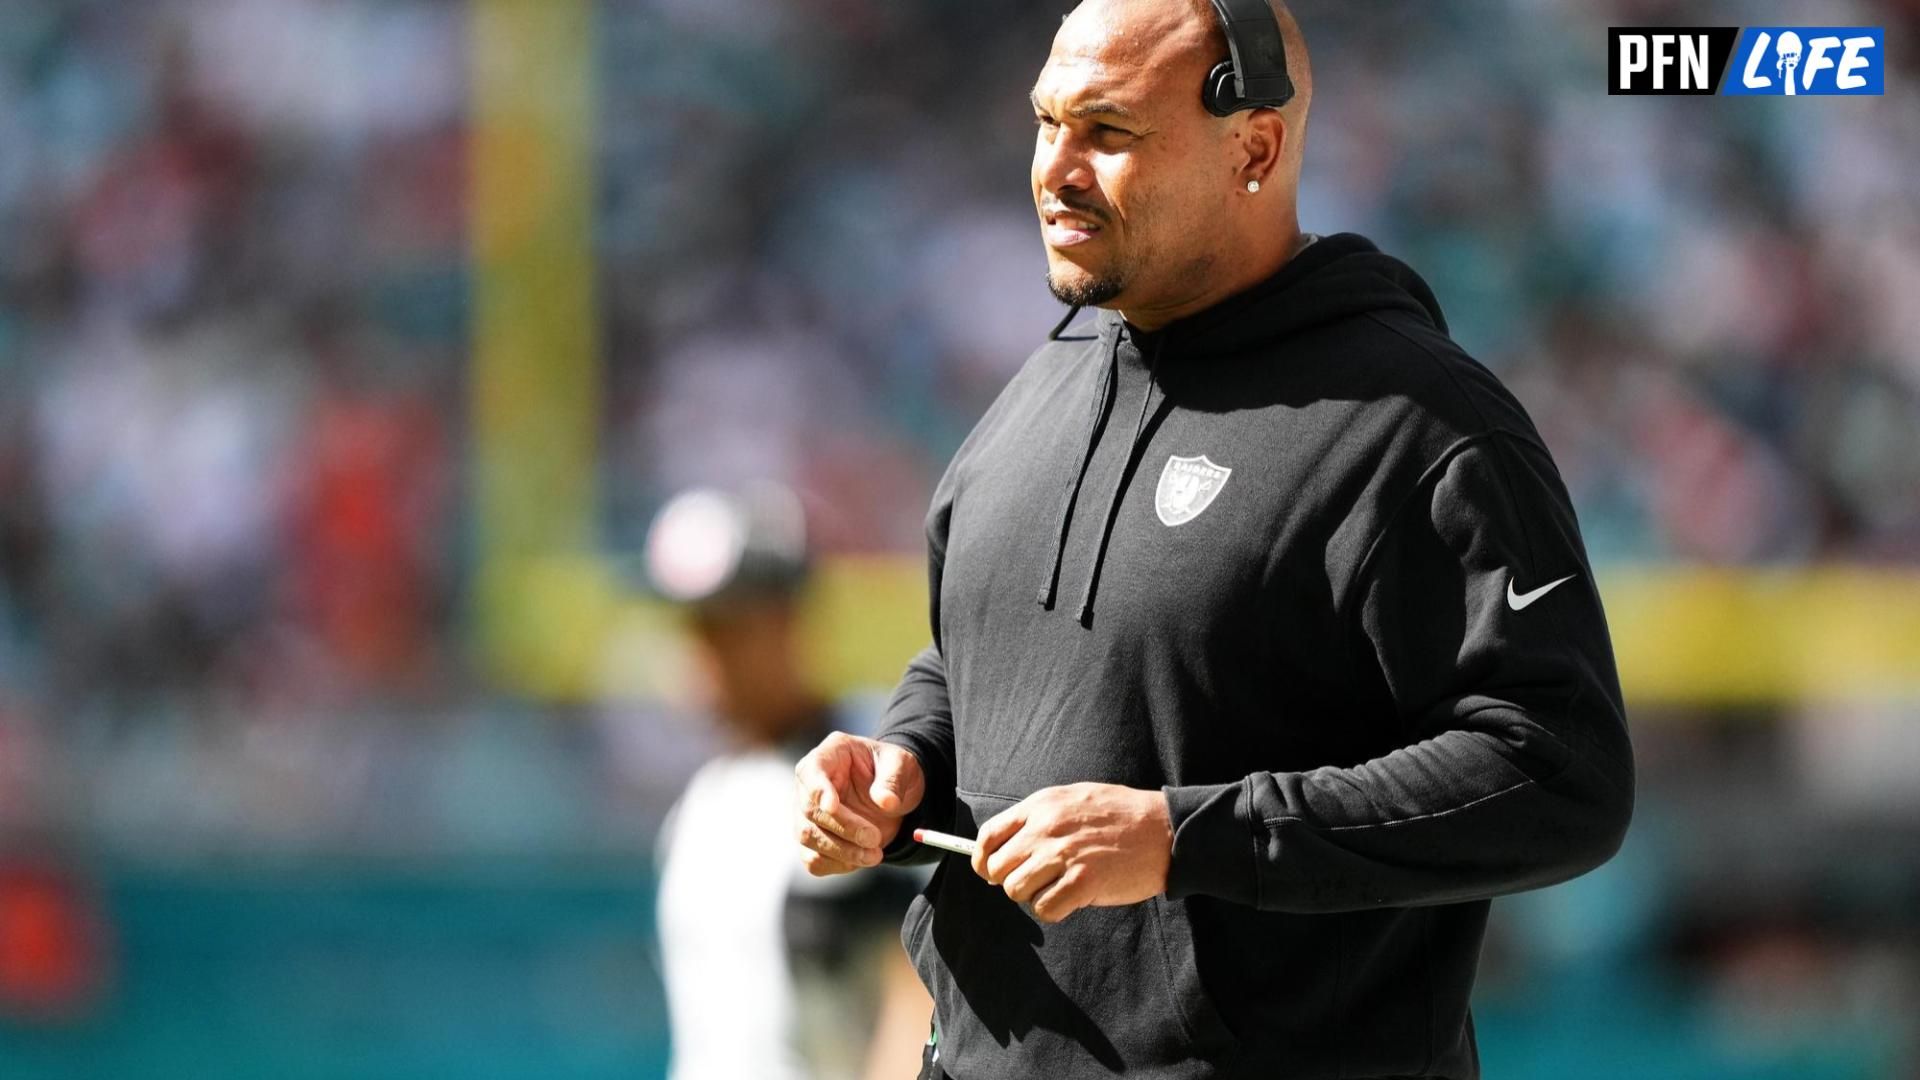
(1062, 164)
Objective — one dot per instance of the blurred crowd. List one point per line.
(231, 338)
(235, 325)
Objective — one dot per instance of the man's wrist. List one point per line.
(1162, 816)
(936, 800)
(902, 848)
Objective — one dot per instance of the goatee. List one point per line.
(1087, 292)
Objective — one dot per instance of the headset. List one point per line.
(1255, 74)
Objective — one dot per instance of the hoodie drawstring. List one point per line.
(1141, 425)
(1096, 424)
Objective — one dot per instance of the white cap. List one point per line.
(707, 543)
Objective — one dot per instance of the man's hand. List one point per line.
(1079, 845)
(852, 794)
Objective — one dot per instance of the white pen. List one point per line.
(959, 845)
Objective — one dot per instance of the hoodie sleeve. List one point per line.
(920, 715)
(1478, 607)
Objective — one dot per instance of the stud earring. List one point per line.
(1253, 187)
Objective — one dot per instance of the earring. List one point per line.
(1253, 187)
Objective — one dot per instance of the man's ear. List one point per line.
(1262, 144)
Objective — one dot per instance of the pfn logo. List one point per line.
(1795, 60)
(1668, 59)
(1785, 60)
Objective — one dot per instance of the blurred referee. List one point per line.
(769, 975)
(1265, 647)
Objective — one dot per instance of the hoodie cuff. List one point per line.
(903, 850)
(1213, 846)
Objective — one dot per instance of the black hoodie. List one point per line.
(1304, 565)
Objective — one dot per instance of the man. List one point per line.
(1265, 647)
(768, 974)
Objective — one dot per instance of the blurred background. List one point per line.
(347, 348)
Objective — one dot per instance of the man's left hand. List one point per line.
(1078, 845)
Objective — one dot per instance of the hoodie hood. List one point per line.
(1335, 277)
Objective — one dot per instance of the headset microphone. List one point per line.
(1255, 74)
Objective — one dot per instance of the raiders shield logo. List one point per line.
(1187, 486)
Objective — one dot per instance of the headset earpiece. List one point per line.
(1219, 95)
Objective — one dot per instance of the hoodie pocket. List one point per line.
(1181, 961)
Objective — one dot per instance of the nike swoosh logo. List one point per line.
(1523, 601)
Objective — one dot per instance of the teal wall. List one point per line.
(486, 973)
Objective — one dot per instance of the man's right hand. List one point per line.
(853, 793)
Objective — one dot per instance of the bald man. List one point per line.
(1265, 647)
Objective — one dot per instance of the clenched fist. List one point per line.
(853, 793)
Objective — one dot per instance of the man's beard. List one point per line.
(1088, 291)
